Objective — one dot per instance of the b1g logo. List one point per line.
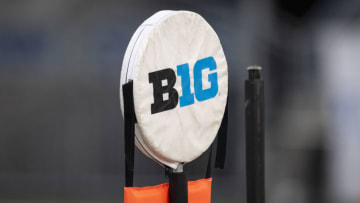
(165, 95)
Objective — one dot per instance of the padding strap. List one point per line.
(209, 167)
(130, 119)
(221, 146)
(221, 143)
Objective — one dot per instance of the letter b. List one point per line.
(165, 95)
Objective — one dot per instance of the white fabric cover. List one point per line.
(165, 40)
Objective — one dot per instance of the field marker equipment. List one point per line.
(254, 119)
(173, 95)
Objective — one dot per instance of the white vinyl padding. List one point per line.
(165, 40)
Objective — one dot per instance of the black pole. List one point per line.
(254, 110)
(178, 188)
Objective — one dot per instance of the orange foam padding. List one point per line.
(199, 191)
(151, 194)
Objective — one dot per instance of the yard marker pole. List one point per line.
(254, 123)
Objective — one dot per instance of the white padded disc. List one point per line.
(164, 41)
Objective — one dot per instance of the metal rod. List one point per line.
(178, 188)
(254, 123)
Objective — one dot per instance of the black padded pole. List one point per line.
(178, 188)
(254, 110)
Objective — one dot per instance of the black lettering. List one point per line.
(160, 90)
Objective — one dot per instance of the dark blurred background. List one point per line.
(60, 124)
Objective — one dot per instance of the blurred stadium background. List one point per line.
(60, 124)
